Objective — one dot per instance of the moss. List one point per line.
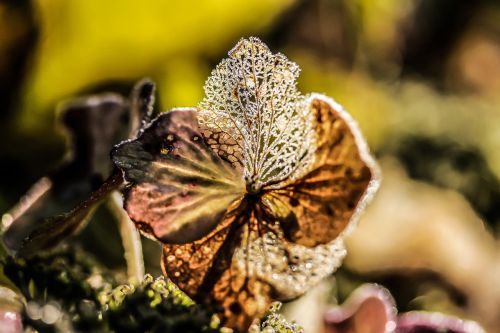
(274, 322)
(68, 291)
(155, 305)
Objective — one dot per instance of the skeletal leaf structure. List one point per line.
(252, 192)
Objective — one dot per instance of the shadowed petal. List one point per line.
(180, 189)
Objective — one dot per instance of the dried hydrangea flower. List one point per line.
(252, 191)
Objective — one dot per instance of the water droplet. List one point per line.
(7, 220)
(390, 326)
(275, 307)
(96, 281)
(33, 310)
(50, 314)
(171, 258)
(250, 81)
(177, 274)
(148, 278)
(268, 329)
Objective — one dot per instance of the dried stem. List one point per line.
(130, 238)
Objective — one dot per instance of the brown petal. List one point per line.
(207, 271)
(317, 208)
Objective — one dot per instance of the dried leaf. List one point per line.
(52, 230)
(62, 202)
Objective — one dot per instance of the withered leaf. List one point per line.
(142, 102)
(62, 202)
(55, 228)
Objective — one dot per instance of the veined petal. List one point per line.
(179, 189)
(318, 207)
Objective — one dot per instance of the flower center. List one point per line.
(253, 186)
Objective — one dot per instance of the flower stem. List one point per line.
(130, 238)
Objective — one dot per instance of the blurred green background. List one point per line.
(422, 78)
